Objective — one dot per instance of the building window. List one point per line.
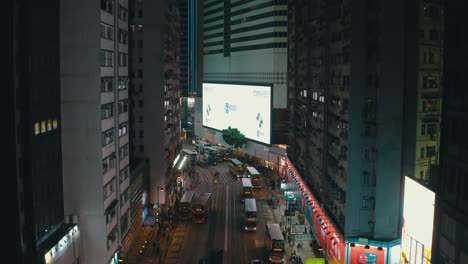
(107, 58)
(123, 13)
(123, 59)
(431, 57)
(108, 6)
(123, 36)
(365, 177)
(140, 133)
(43, 126)
(123, 128)
(431, 105)
(429, 82)
(141, 148)
(140, 73)
(140, 119)
(140, 13)
(123, 152)
(124, 198)
(123, 83)
(431, 130)
(434, 35)
(107, 137)
(140, 28)
(123, 175)
(140, 103)
(37, 130)
(110, 213)
(140, 59)
(108, 163)
(123, 106)
(430, 151)
(107, 31)
(112, 236)
(421, 153)
(109, 188)
(365, 202)
(54, 124)
(107, 111)
(123, 220)
(107, 84)
(140, 43)
(140, 88)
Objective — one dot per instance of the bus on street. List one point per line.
(201, 208)
(254, 175)
(247, 189)
(250, 215)
(274, 243)
(185, 205)
(237, 168)
(211, 156)
(191, 154)
(224, 153)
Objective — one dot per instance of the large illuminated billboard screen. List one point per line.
(245, 107)
(418, 222)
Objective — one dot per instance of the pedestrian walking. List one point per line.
(299, 246)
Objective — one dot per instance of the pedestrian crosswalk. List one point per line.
(207, 174)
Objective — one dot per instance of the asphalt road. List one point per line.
(223, 229)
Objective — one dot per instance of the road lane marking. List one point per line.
(226, 220)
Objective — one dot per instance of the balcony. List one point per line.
(124, 185)
(112, 223)
(123, 94)
(108, 149)
(123, 140)
(107, 97)
(123, 117)
(107, 123)
(110, 199)
(124, 207)
(108, 176)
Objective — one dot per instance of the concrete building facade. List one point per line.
(451, 208)
(156, 92)
(94, 95)
(352, 85)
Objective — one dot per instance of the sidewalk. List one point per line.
(305, 252)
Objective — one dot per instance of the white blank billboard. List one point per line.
(418, 216)
(245, 107)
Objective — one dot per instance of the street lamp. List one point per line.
(160, 189)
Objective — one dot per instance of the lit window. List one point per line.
(43, 126)
(49, 125)
(36, 128)
(55, 124)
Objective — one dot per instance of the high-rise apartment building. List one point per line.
(451, 209)
(352, 101)
(41, 232)
(95, 142)
(191, 60)
(429, 75)
(155, 89)
(246, 42)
